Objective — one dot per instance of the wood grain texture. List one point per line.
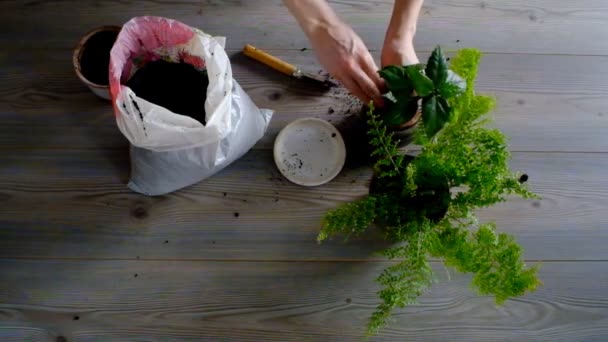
(270, 301)
(535, 26)
(42, 103)
(73, 204)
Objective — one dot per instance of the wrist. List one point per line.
(399, 52)
(312, 15)
(313, 26)
(402, 26)
(401, 35)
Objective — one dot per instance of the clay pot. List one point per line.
(404, 131)
(91, 59)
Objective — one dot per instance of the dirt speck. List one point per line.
(536, 204)
(348, 300)
(61, 339)
(523, 178)
(303, 49)
(521, 102)
(330, 110)
(237, 214)
(135, 275)
(76, 318)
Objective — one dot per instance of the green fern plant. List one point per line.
(426, 204)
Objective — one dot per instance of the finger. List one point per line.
(371, 69)
(366, 84)
(352, 86)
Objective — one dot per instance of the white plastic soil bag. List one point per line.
(171, 151)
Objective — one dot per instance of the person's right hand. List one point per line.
(344, 55)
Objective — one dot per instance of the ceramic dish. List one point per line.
(309, 152)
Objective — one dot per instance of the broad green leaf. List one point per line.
(437, 67)
(395, 78)
(393, 115)
(453, 86)
(400, 112)
(435, 113)
(422, 84)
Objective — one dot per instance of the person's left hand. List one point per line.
(398, 52)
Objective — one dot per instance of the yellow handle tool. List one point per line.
(278, 64)
(270, 60)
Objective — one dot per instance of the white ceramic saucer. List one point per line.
(309, 152)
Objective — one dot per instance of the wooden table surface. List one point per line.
(84, 259)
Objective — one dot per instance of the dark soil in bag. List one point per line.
(178, 87)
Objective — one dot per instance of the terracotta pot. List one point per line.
(101, 90)
(404, 131)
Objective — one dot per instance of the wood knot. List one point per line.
(139, 212)
(275, 96)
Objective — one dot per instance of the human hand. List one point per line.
(398, 52)
(344, 55)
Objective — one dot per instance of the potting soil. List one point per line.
(178, 87)
(95, 58)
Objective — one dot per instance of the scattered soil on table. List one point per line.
(178, 87)
(95, 58)
(330, 82)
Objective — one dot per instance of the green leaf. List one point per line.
(395, 78)
(437, 67)
(400, 112)
(435, 113)
(453, 86)
(422, 84)
(465, 63)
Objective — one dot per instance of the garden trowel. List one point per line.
(282, 66)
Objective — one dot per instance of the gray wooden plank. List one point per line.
(73, 204)
(23, 333)
(540, 102)
(270, 301)
(535, 26)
